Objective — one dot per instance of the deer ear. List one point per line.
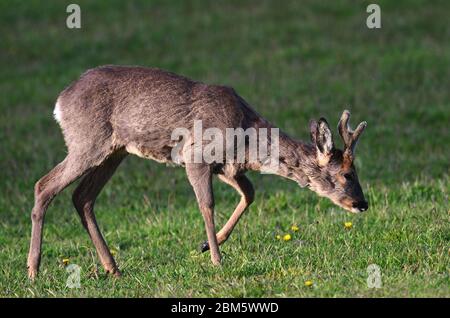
(324, 138)
(313, 130)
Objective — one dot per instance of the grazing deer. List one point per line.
(112, 111)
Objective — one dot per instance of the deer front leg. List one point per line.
(200, 177)
(244, 187)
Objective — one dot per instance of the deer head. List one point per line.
(333, 174)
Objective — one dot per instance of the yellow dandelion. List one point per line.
(294, 228)
(308, 283)
(65, 261)
(287, 237)
(113, 252)
(348, 225)
(278, 237)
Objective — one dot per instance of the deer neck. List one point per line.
(295, 159)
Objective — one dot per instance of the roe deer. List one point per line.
(111, 111)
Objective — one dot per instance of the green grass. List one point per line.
(293, 61)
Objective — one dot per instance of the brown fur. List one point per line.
(111, 111)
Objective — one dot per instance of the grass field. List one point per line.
(293, 61)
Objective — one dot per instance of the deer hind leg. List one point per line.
(84, 198)
(244, 187)
(200, 177)
(62, 175)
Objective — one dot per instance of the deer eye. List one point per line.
(348, 176)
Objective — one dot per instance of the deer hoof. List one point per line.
(204, 247)
(32, 273)
(114, 272)
(216, 261)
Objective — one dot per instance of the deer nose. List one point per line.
(361, 205)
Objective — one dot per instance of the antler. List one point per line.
(349, 136)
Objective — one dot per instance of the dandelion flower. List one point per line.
(278, 237)
(294, 228)
(348, 225)
(287, 237)
(65, 261)
(308, 283)
(113, 252)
